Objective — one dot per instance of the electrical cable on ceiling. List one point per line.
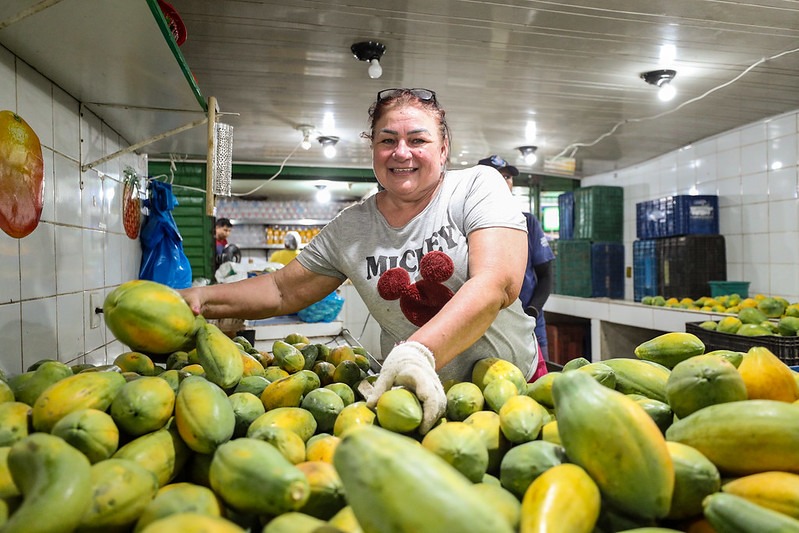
(276, 174)
(573, 147)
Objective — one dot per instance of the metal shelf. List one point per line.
(117, 58)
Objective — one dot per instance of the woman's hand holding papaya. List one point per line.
(412, 365)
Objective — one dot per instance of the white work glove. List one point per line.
(411, 365)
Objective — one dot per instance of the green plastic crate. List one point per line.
(599, 213)
(725, 288)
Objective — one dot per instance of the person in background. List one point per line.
(538, 276)
(222, 230)
(434, 256)
(291, 249)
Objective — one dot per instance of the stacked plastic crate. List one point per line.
(591, 263)
(679, 246)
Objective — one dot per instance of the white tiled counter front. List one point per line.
(618, 326)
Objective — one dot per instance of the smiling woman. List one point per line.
(448, 235)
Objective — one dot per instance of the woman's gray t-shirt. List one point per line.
(360, 245)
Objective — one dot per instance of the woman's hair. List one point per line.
(402, 98)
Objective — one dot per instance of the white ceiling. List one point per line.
(570, 67)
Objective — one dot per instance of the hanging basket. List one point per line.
(174, 22)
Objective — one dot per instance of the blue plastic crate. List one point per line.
(607, 270)
(645, 269)
(672, 216)
(566, 215)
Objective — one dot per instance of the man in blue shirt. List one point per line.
(538, 278)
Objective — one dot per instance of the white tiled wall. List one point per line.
(79, 246)
(754, 172)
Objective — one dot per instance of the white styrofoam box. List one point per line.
(66, 124)
(36, 265)
(753, 158)
(782, 125)
(67, 191)
(92, 201)
(93, 337)
(8, 81)
(35, 100)
(92, 142)
(783, 215)
(69, 317)
(93, 260)
(9, 269)
(68, 259)
(10, 319)
(39, 331)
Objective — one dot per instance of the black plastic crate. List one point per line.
(687, 263)
(645, 269)
(677, 215)
(566, 215)
(599, 213)
(785, 348)
(607, 270)
(590, 269)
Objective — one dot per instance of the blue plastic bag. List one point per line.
(163, 259)
(325, 310)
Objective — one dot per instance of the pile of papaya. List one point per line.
(192, 430)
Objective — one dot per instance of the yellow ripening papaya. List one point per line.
(120, 490)
(775, 490)
(55, 483)
(150, 317)
(564, 498)
(670, 348)
(376, 464)
(635, 376)
(203, 414)
(728, 512)
(219, 356)
(614, 439)
(91, 390)
(252, 476)
(161, 452)
(288, 357)
(743, 438)
(177, 498)
(766, 377)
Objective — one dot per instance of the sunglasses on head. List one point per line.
(425, 95)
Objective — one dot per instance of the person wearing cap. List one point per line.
(538, 277)
(291, 249)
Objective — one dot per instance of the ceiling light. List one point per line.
(322, 194)
(661, 79)
(370, 51)
(306, 130)
(328, 145)
(528, 154)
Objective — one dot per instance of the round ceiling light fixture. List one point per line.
(528, 154)
(371, 51)
(662, 80)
